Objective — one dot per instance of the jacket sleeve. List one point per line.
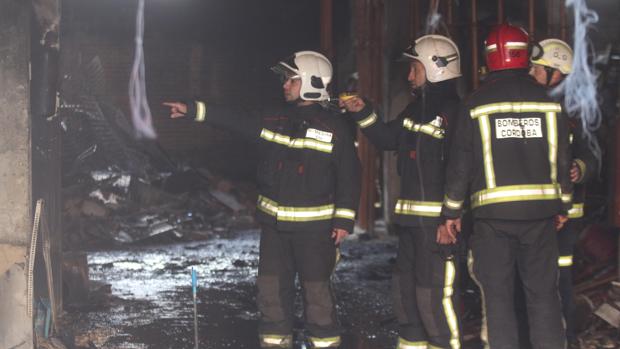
(348, 181)
(564, 161)
(460, 162)
(382, 135)
(236, 119)
(583, 157)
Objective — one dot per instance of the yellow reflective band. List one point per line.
(514, 107)
(325, 342)
(565, 261)
(487, 154)
(297, 143)
(582, 168)
(277, 340)
(576, 211)
(484, 329)
(567, 198)
(367, 121)
(201, 111)
(516, 44)
(552, 138)
(511, 193)
(298, 214)
(491, 48)
(448, 306)
(418, 208)
(344, 213)
(429, 129)
(405, 344)
(452, 204)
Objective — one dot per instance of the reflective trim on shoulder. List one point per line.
(512, 193)
(576, 211)
(452, 204)
(297, 143)
(418, 208)
(325, 342)
(429, 129)
(367, 121)
(201, 111)
(565, 261)
(514, 107)
(344, 213)
(405, 344)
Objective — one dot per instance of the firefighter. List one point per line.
(423, 276)
(510, 154)
(551, 62)
(309, 182)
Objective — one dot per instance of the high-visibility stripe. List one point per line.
(582, 168)
(201, 111)
(452, 204)
(491, 48)
(448, 306)
(325, 342)
(567, 198)
(516, 44)
(552, 138)
(487, 153)
(405, 344)
(484, 328)
(302, 214)
(510, 193)
(418, 208)
(576, 211)
(297, 143)
(344, 213)
(276, 340)
(514, 107)
(429, 129)
(367, 121)
(565, 261)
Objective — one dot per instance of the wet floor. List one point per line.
(151, 301)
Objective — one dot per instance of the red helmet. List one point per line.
(506, 47)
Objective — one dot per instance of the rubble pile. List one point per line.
(118, 189)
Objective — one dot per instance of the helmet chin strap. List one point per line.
(550, 72)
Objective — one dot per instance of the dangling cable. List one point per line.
(140, 111)
(579, 87)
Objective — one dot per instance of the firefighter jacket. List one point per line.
(418, 135)
(583, 157)
(308, 173)
(510, 152)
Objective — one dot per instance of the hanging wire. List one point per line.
(140, 111)
(579, 87)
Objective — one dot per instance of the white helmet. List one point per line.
(553, 53)
(314, 70)
(439, 56)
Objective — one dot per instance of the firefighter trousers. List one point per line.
(499, 248)
(424, 291)
(312, 257)
(567, 238)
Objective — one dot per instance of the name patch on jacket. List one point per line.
(319, 135)
(518, 128)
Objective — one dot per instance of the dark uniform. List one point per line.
(568, 235)
(423, 278)
(309, 181)
(510, 152)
